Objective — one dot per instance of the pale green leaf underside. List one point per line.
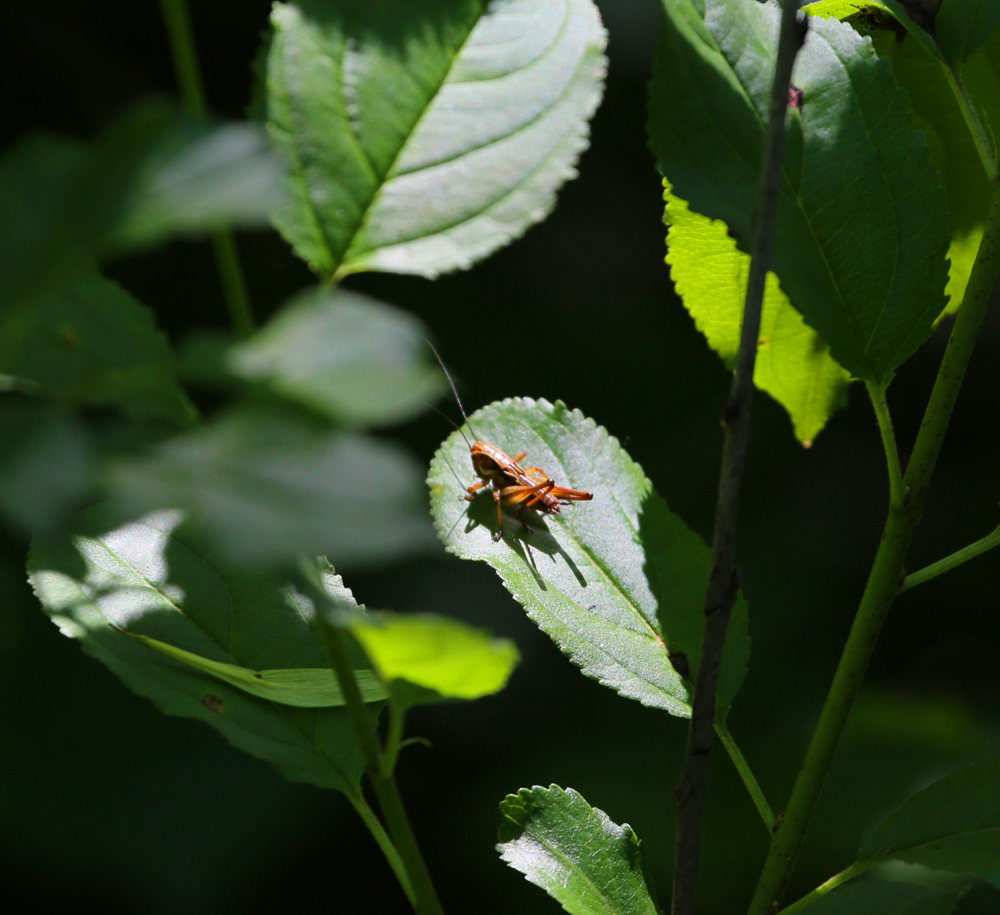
(793, 365)
(423, 135)
(448, 656)
(587, 863)
(860, 232)
(358, 360)
(303, 688)
(881, 897)
(618, 582)
(150, 581)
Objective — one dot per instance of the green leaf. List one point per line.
(617, 583)
(303, 687)
(267, 485)
(446, 658)
(149, 579)
(201, 176)
(793, 364)
(937, 115)
(353, 358)
(587, 863)
(861, 225)
(882, 897)
(964, 26)
(92, 343)
(45, 464)
(952, 825)
(150, 173)
(425, 134)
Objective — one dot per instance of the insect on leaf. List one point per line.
(618, 583)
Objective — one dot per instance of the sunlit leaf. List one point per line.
(151, 580)
(587, 863)
(443, 656)
(618, 583)
(793, 364)
(861, 225)
(423, 135)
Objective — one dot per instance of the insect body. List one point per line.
(511, 483)
(514, 485)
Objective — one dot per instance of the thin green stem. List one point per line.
(746, 773)
(182, 47)
(381, 837)
(877, 395)
(949, 562)
(393, 739)
(980, 135)
(385, 788)
(859, 867)
(885, 578)
(234, 287)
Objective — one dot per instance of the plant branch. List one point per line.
(383, 841)
(384, 785)
(724, 579)
(859, 867)
(949, 562)
(885, 578)
(877, 395)
(746, 773)
(182, 47)
(980, 135)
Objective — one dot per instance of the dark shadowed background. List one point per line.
(107, 805)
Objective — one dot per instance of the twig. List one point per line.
(884, 580)
(724, 581)
(950, 562)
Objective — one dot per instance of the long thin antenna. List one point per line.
(458, 428)
(454, 390)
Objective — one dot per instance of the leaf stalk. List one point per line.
(859, 867)
(879, 402)
(746, 773)
(723, 584)
(177, 20)
(950, 562)
(980, 134)
(885, 579)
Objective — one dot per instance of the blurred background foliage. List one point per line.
(111, 806)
